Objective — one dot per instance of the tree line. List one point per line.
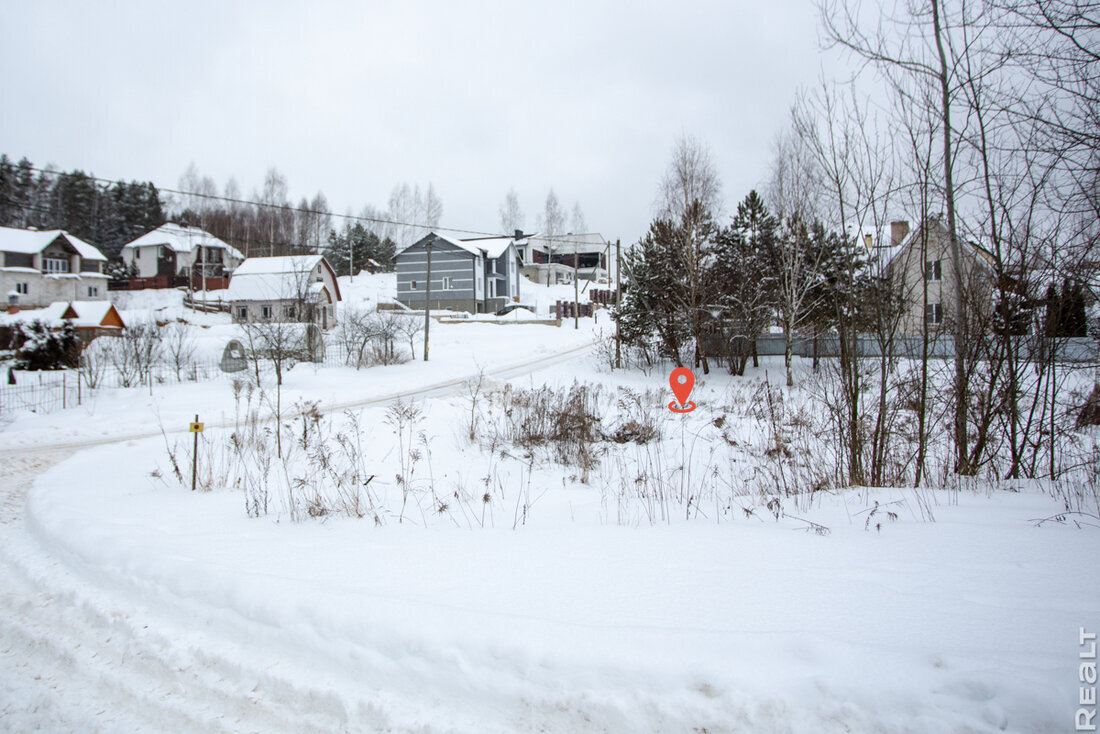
(106, 215)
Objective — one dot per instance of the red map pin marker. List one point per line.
(682, 380)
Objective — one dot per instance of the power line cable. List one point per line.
(299, 210)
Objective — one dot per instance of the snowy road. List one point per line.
(77, 655)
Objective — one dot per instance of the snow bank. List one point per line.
(966, 624)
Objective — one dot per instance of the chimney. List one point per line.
(518, 235)
(13, 302)
(898, 232)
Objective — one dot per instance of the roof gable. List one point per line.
(278, 278)
(32, 242)
(284, 265)
(181, 238)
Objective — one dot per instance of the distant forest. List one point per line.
(108, 215)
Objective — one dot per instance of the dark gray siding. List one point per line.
(507, 287)
(448, 262)
(18, 260)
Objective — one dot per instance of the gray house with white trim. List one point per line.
(475, 275)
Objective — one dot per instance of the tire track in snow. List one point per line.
(76, 657)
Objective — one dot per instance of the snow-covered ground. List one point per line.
(552, 603)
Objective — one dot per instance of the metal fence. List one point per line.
(1069, 350)
(45, 392)
(49, 391)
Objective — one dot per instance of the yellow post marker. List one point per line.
(196, 428)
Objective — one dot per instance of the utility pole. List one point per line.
(618, 304)
(202, 250)
(576, 286)
(427, 297)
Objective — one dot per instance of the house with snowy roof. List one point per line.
(475, 275)
(89, 318)
(38, 267)
(176, 251)
(298, 288)
(918, 261)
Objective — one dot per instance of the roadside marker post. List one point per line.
(196, 428)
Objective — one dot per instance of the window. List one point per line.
(933, 314)
(288, 312)
(933, 270)
(55, 264)
(21, 289)
(448, 283)
(137, 253)
(414, 285)
(265, 312)
(242, 313)
(93, 291)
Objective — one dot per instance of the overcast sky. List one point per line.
(350, 99)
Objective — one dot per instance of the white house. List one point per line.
(179, 251)
(40, 267)
(300, 288)
(551, 259)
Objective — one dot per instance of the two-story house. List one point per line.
(919, 264)
(176, 251)
(38, 268)
(551, 260)
(475, 275)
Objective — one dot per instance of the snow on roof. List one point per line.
(485, 246)
(286, 265)
(275, 278)
(263, 287)
(492, 246)
(461, 244)
(89, 314)
(33, 241)
(180, 238)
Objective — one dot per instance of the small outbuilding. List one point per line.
(89, 318)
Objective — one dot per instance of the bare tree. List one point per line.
(577, 222)
(409, 327)
(691, 177)
(553, 226)
(433, 207)
(511, 215)
(179, 345)
(919, 46)
(795, 189)
(355, 332)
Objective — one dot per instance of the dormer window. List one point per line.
(55, 264)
